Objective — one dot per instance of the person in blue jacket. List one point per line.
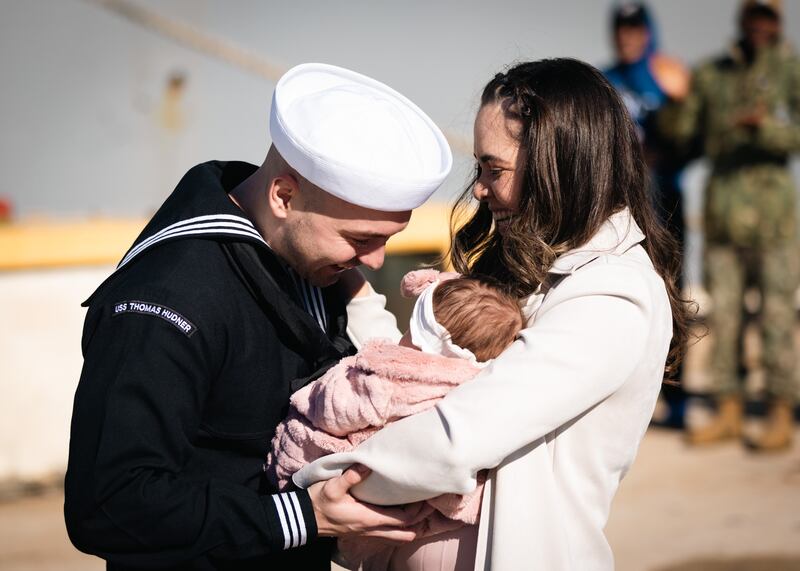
(646, 79)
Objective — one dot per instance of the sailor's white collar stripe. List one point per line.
(209, 224)
(217, 218)
(321, 303)
(189, 232)
(207, 217)
(616, 236)
(317, 304)
(144, 244)
(311, 297)
(292, 521)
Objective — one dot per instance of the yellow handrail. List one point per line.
(42, 244)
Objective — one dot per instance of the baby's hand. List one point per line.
(417, 281)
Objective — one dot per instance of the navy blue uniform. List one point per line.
(191, 351)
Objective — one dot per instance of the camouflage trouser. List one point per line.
(776, 273)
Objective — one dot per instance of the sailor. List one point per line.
(225, 304)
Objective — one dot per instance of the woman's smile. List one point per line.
(502, 218)
(501, 215)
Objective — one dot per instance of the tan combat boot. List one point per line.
(778, 431)
(727, 424)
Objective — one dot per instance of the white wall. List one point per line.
(80, 131)
(40, 363)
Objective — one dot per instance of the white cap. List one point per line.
(357, 138)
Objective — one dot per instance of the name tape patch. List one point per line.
(148, 308)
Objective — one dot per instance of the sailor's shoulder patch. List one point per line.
(157, 310)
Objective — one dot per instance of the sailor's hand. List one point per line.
(340, 514)
(352, 283)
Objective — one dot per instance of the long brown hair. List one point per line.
(582, 162)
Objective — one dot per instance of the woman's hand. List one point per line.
(340, 514)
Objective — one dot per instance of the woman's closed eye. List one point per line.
(493, 172)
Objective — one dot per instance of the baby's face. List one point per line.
(405, 341)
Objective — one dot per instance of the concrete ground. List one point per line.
(719, 508)
(679, 509)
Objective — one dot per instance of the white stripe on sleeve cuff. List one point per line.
(291, 518)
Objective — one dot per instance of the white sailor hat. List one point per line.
(357, 138)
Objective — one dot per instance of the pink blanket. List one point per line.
(382, 383)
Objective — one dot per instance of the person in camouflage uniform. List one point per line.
(745, 107)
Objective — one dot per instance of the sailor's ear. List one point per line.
(280, 192)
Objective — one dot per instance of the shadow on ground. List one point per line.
(764, 563)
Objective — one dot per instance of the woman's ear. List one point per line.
(280, 192)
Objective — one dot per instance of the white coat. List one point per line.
(559, 416)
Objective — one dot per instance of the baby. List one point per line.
(457, 326)
(462, 317)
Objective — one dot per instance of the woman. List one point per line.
(564, 221)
